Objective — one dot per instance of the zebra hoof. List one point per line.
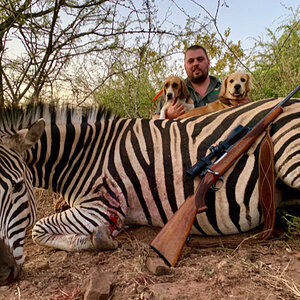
(102, 239)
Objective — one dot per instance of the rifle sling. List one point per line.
(266, 186)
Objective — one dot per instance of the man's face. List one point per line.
(196, 65)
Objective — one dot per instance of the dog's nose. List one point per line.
(170, 96)
(237, 86)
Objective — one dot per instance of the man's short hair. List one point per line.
(196, 47)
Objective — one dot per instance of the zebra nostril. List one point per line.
(11, 276)
(8, 273)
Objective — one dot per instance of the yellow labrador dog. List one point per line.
(175, 89)
(234, 90)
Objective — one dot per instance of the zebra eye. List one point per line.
(17, 186)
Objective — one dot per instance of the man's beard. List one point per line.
(200, 77)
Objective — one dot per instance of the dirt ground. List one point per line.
(268, 270)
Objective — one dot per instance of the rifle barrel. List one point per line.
(290, 95)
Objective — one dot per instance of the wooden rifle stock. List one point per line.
(170, 241)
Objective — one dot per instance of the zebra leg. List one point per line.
(91, 224)
(102, 239)
(75, 229)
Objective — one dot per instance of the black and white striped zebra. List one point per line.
(133, 171)
(17, 202)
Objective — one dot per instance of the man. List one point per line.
(203, 88)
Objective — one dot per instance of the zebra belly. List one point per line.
(216, 221)
(232, 209)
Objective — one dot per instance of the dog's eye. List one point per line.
(231, 80)
(174, 85)
(167, 84)
(243, 79)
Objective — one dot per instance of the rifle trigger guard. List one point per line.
(213, 187)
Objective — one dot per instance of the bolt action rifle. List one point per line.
(169, 242)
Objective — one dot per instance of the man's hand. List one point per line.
(175, 110)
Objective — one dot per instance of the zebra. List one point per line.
(116, 171)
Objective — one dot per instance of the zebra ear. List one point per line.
(34, 133)
(26, 138)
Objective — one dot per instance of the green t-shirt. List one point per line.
(211, 95)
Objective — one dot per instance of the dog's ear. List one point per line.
(223, 87)
(184, 89)
(248, 83)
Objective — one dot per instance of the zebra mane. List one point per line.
(24, 116)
